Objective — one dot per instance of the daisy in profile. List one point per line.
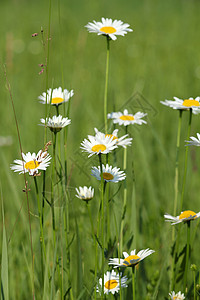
(186, 104)
(126, 119)
(56, 123)
(194, 141)
(85, 193)
(177, 296)
(109, 28)
(110, 174)
(130, 260)
(32, 163)
(120, 141)
(185, 216)
(112, 283)
(56, 96)
(98, 144)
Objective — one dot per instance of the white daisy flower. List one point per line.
(56, 123)
(186, 104)
(85, 193)
(56, 97)
(32, 163)
(126, 119)
(112, 283)
(98, 144)
(194, 141)
(185, 216)
(177, 296)
(122, 141)
(109, 28)
(110, 174)
(130, 260)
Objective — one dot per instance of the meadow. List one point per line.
(160, 59)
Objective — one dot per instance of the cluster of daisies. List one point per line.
(31, 163)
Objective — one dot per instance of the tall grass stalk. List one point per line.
(186, 159)
(125, 197)
(176, 179)
(187, 256)
(106, 83)
(102, 223)
(52, 187)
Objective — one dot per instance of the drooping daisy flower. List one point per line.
(112, 282)
(85, 193)
(126, 119)
(185, 216)
(109, 28)
(98, 144)
(110, 174)
(122, 141)
(56, 97)
(55, 123)
(32, 163)
(130, 260)
(186, 104)
(177, 296)
(194, 141)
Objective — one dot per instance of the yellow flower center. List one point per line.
(127, 261)
(107, 176)
(112, 136)
(30, 165)
(190, 102)
(127, 118)
(187, 214)
(111, 284)
(99, 147)
(57, 100)
(108, 29)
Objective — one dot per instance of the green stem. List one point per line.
(42, 244)
(176, 170)
(125, 197)
(52, 186)
(102, 223)
(108, 213)
(186, 159)
(106, 84)
(187, 256)
(194, 274)
(133, 281)
(57, 110)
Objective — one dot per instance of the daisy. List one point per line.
(194, 141)
(177, 296)
(185, 216)
(130, 260)
(186, 104)
(98, 144)
(109, 28)
(122, 141)
(126, 119)
(85, 193)
(56, 97)
(32, 163)
(110, 174)
(111, 283)
(56, 123)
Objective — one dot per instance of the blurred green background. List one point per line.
(160, 59)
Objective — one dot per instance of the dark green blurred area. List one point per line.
(160, 59)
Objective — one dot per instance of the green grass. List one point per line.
(159, 59)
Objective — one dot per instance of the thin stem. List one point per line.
(108, 213)
(125, 197)
(106, 84)
(133, 281)
(52, 186)
(194, 274)
(42, 244)
(177, 169)
(102, 223)
(187, 256)
(186, 159)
